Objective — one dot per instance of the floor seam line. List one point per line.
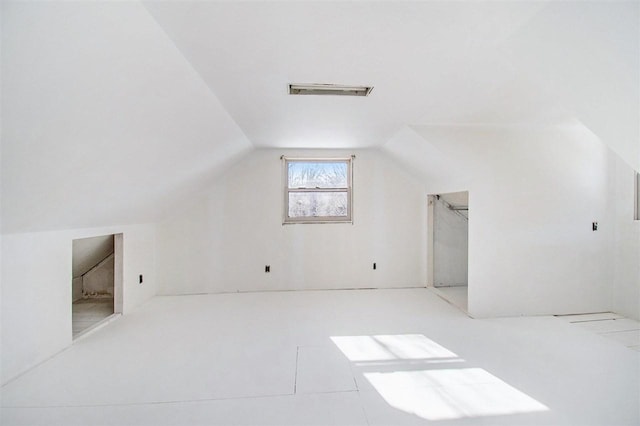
(134, 404)
(182, 401)
(619, 331)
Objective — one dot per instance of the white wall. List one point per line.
(99, 103)
(533, 192)
(450, 246)
(223, 240)
(37, 290)
(585, 59)
(626, 277)
(103, 121)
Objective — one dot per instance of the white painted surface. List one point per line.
(141, 96)
(612, 326)
(534, 192)
(249, 65)
(93, 88)
(322, 369)
(589, 67)
(232, 360)
(88, 252)
(626, 259)
(312, 409)
(438, 171)
(104, 121)
(457, 296)
(462, 63)
(37, 291)
(630, 339)
(450, 245)
(223, 241)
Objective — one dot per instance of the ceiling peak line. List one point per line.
(195, 71)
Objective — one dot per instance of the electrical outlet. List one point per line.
(267, 268)
(374, 266)
(140, 279)
(594, 226)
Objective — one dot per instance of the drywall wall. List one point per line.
(37, 290)
(626, 276)
(450, 246)
(585, 59)
(98, 103)
(99, 280)
(534, 192)
(223, 241)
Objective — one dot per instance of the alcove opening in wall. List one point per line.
(97, 281)
(448, 246)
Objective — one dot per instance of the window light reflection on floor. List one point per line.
(390, 347)
(451, 393)
(434, 393)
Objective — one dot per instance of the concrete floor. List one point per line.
(370, 357)
(89, 312)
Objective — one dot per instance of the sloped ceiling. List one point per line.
(88, 252)
(431, 63)
(428, 61)
(586, 55)
(113, 110)
(104, 121)
(457, 199)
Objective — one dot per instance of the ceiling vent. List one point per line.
(329, 89)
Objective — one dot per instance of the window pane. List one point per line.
(317, 204)
(321, 174)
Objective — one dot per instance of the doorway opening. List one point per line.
(97, 282)
(448, 247)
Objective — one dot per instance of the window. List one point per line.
(636, 198)
(317, 190)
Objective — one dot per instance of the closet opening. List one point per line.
(96, 283)
(448, 246)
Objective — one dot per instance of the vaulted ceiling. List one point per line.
(114, 110)
(431, 63)
(428, 62)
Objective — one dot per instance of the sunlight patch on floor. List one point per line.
(437, 393)
(391, 347)
(451, 393)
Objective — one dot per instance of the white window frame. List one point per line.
(317, 219)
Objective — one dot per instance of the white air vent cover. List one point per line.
(329, 89)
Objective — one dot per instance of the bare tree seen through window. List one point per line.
(327, 183)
